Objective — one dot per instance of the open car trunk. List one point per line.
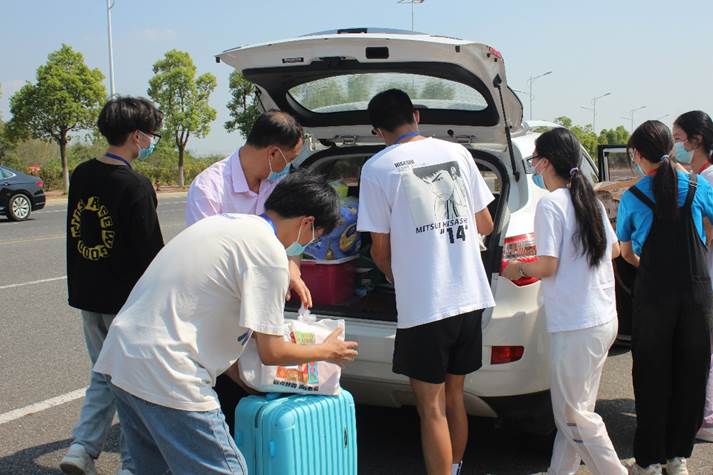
(373, 297)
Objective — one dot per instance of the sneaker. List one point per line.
(677, 466)
(705, 433)
(653, 469)
(77, 461)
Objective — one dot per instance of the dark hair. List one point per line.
(698, 123)
(123, 115)
(275, 128)
(390, 109)
(303, 193)
(653, 141)
(562, 149)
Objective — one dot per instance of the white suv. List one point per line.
(326, 81)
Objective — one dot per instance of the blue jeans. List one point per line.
(98, 409)
(167, 440)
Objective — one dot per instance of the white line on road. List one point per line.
(42, 405)
(42, 281)
(43, 238)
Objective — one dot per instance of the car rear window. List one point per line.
(352, 92)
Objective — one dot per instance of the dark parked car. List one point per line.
(20, 194)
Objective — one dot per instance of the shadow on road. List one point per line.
(44, 459)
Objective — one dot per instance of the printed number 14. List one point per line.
(459, 234)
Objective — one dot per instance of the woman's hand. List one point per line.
(512, 271)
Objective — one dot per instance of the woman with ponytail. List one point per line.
(660, 228)
(575, 245)
(693, 136)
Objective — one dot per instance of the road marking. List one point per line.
(12, 286)
(160, 207)
(42, 405)
(43, 238)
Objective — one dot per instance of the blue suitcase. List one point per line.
(297, 435)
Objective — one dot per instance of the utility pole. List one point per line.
(112, 87)
(412, 2)
(594, 110)
(631, 116)
(530, 81)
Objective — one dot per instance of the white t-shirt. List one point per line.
(576, 296)
(707, 173)
(193, 311)
(425, 194)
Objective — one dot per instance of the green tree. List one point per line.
(183, 99)
(614, 136)
(406, 86)
(359, 87)
(66, 98)
(584, 134)
(437, 90)
(6, 144)
(320, 93)
(564, 121)
(242, 106)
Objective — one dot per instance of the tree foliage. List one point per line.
(66, 98)
(183, 99)
(590, 140)
(242, 107)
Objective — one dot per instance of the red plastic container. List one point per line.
(330, 282)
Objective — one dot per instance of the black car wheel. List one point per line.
(19, 207)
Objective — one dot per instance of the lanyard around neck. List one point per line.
(117, 157)
(269, 221)
(405, 136)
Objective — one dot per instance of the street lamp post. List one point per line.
(412, 2)
(631, 116)
(530, 81)
(594, 110)
(112, 88)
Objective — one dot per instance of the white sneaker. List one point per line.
(705, 433)
(677, 466)
(77, 461)
(653, 469)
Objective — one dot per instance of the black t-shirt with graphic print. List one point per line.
(113, 234)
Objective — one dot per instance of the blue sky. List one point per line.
(654, 53)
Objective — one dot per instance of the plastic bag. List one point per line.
(316, 377)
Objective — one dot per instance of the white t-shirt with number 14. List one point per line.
(425, 194)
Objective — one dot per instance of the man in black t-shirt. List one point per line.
(113, 235)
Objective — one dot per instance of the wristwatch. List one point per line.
(521, 271)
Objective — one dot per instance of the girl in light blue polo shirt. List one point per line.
(660, 228)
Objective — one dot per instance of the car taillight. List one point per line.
(523, 248)
(40, 184)
(506, 354)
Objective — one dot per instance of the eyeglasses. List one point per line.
(533, 157)
(153, 136)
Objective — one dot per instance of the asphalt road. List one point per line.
(42, 356)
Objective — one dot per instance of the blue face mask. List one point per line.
(537, 178)
(639, 170)
(145, 153)
(682, 155)
(297, 249)
(539, 181)
(276, 176)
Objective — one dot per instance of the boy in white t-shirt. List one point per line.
(190, 317)
(425, 203)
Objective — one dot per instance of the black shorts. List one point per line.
(428, 352)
